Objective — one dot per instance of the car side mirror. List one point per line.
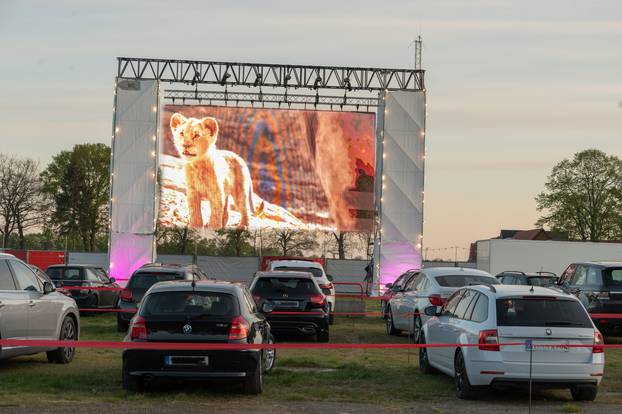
(431, 311)
(112, 280)
(48, 288)
(267, 308)
(389, 285)
(330, 277)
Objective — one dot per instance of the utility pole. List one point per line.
(418, 43)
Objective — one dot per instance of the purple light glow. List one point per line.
(395, 259)
(127, 253)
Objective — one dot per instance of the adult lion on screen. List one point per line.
(212, 175)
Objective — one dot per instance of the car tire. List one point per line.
(464, 389)
(253, 384)
(417, 324)
(584, 392)
(383, 307)
(122, 326)
(64, 355)
(131, 383)
(269, 356)
(391, 330)
(323, 336)
(424, 361)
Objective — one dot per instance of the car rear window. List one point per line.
(612, 277)
(64, 273)
(288, 285)
(464, 280)
(313, 270)
(144, 280)
(534, 311)
(542, 280)
(190, 304)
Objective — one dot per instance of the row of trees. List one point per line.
(286, 242)
(65, 205)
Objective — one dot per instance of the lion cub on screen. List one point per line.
(211, 174)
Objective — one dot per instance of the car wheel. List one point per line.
(68, 331)
(424, 362)
(269, 356)
(389, 322)
(253, 384)
(464, 388)
(323, 336)
(416, 328)
(131, 383)
(584, 392)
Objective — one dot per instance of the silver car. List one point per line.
(30, 308)
(430, 287)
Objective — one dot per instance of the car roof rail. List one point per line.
(516, 272)
(488, 285)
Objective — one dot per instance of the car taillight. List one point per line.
(318, 300)
(489, 340)
(138, 330)
(327, 286)
(599, 343)
(436, 300)
(125, 295)
(239, 328)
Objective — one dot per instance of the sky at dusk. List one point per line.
(513, 86)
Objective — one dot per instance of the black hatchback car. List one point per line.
(514, 277)
(70, 277)
(296, 302)
(145, 277)
(599, 287)
(198, 312)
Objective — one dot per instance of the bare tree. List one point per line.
(20, 197)
(292, 242)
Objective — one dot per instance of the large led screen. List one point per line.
(266, 168)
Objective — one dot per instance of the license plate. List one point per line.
(286, 303)
(557, 346)
(186, 360)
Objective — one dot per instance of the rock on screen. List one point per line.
(266, 168)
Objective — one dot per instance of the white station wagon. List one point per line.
(551, 329)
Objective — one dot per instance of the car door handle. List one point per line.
(31, 303)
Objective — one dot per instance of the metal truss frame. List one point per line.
(296, 100)
(270, 75)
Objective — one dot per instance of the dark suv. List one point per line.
(296, 302)
(68, 277)
(198, 312)
(599, 287)
(514, 277)
(145, 277)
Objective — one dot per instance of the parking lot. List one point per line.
(327, 380)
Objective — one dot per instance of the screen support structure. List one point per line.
(398, 96)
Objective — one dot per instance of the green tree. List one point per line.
(77, 183)
(291, 242)
(234, 242)
(583, 197)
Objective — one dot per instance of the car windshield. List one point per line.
(464, 280)
(144, 280)
(289, 285)
(190, 304)
(542, 280)
(533, 311)
(313, 270)
(612, 277)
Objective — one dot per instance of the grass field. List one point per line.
(384, 377)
